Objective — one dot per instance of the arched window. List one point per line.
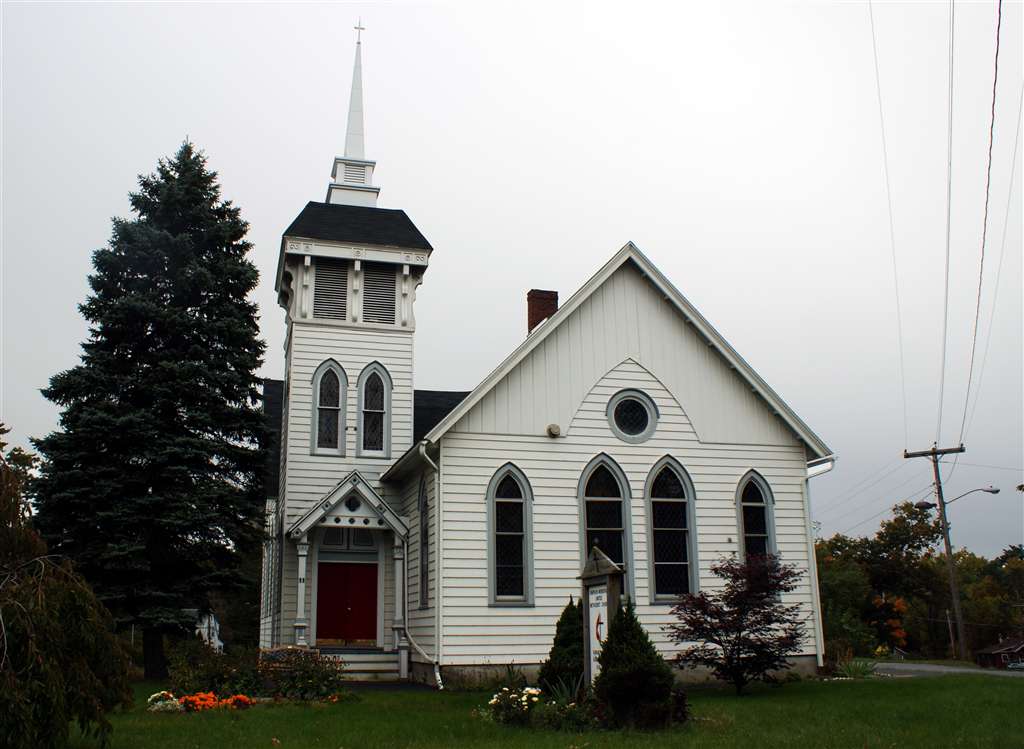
(424, 511)
(375, 412)
(671, 532)
(754, 504)
(604, 512)
(327, 435)
(509, 520)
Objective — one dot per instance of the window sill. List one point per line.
(325, 452)
(510, 604)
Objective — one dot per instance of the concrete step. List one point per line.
(366, 665)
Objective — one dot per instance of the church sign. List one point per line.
(602, 588)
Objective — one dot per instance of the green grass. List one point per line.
(948, 711)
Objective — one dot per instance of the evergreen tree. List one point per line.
(565, 660)
(634, 686)
(59, 657)
(151, 485)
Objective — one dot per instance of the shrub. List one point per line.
(513, 706)
(298, 674)
(634, 687)
(565, 660)
(558, 715)
(194, 666)
(855, 668)
(743, 632)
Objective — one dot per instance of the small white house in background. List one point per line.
(421, 532)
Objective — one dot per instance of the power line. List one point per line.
(984, 224)
(949, 203)
(913, 496)
(892, 230)
(861, 505)
(995, 468)
(1002, 253)
(859, 487)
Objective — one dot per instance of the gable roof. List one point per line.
(631, 254)
(430, 406)
(372, 504)
(357, 224)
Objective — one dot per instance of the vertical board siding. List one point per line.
(626, 317)
(475, 633)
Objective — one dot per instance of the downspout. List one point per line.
(815, 468)
(437, 525)
(408, 634)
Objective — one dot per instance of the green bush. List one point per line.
(557, 715)
(193, 666)
(634, 687)
(855, 668)
(565, 660)
(297, 674)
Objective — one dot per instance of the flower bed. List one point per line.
(166, 702)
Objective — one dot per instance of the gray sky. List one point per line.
(736, 144)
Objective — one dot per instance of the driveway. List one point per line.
(909, 668)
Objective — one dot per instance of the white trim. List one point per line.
(315, 590)
(630, 253)
(517, 474)
(648, 405)
(352, 483)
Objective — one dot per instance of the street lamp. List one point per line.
(953, 589)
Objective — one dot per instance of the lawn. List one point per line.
(948, 711)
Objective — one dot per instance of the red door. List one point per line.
(346, 603)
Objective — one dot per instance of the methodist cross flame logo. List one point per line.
(599, 627)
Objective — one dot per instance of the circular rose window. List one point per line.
(632, 415)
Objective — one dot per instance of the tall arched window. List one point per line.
(604, 512)
(509, 549)
(327, 435)
(375, 411)
(754, 504)
(671, 532)
(424, 512)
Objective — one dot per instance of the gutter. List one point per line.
(408, 634)
(438, 651)
(817, 467)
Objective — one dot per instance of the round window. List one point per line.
(632, 415)
(353, 504)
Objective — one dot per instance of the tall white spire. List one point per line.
(354, 134)
(352, 175)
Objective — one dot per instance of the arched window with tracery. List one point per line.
(328, 423)
(672, 535)
(509, 517)
(755, 510)
(374, 438)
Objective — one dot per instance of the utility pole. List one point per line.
(954, 588)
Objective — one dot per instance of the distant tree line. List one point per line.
(892, 590)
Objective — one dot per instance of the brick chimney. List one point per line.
(540, 305)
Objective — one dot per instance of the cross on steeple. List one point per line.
(359, 30)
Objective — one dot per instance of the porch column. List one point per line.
(401, 642)
(301, 624)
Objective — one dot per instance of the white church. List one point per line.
(438, 535)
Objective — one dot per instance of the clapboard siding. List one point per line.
(422, 622)
(474, 633)
(626, 317)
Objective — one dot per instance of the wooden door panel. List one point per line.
(346, 606)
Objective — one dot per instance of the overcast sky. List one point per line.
(738, 145)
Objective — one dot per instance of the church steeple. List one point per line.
(352, 175)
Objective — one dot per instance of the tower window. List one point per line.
(329, 386)
(374, 411)
(330, 289)
(379, 293)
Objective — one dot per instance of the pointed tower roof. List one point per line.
(352, 174)
(354, 133)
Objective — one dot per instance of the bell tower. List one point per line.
(346, 278)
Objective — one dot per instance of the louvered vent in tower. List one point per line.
(379, 293)
(355, 173)
(330, 289)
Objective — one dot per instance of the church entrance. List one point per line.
(346, 604)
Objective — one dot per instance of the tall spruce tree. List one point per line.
(151, 484)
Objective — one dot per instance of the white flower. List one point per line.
(533, 699)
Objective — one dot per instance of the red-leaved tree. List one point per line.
(742, 632)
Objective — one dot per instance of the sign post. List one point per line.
(602, 588)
